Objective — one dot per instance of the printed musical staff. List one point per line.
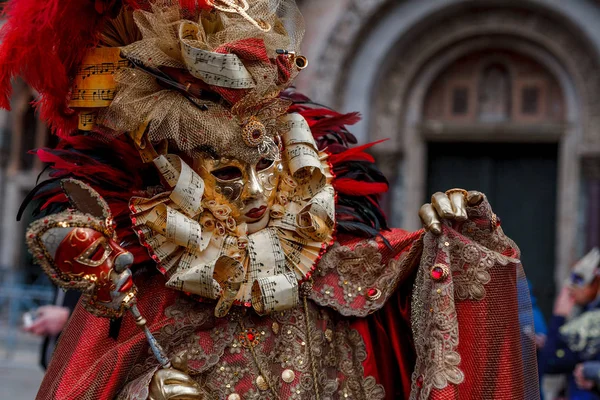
(104, 68)
(95, 85)
(87, 120)
(225, 70)
(167, 170)
(93, 94)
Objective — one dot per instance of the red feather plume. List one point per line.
(44, 41)
(352, 187)
(355, 154)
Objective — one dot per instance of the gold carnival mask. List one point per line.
(248, 189)
(241, 231)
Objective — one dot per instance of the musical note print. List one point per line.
(94, 84)
(225, 70)
(104, 68)
(87, 121)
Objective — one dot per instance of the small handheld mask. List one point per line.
(77, 249)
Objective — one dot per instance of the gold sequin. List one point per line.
(275, 328)
(329, 335)
(261, 383)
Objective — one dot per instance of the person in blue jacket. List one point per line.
(540, 331)
(573, 341)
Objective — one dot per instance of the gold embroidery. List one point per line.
(338, 353)
(357, 282)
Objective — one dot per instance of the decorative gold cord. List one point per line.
(258, 365)
(236, 9)
(309, 344)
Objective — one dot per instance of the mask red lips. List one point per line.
(256, 213)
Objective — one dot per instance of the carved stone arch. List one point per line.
(397, 108)
(570, 51)
(350, 25)
(382, 53)
(356, 36)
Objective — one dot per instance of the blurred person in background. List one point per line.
(587, 376)
(50, 320)
(540, 330)
(574, 341)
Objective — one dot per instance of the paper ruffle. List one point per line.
(201, 250)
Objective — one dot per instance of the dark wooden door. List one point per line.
(520, 182)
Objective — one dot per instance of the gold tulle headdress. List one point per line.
(203, 81)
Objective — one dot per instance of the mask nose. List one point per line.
(255, 187)
(123, 261)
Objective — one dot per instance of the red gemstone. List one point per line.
(45, 221)
(437, 273)
(256, 134)
(420, 381)
(250, 336)
(372, 292)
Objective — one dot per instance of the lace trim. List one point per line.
(356, 281)
(468, 252)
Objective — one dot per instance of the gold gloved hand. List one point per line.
(451, 205)
(174, 383)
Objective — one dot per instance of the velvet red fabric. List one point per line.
(90, 365)
(388, 339)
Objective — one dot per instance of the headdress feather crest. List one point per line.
(45, 41)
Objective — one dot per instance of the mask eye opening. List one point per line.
(577, 280)
(263, 164)
(227, 173)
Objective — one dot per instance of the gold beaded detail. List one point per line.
(254, 132)
(288, 376)
(249, 337)
(261, 383)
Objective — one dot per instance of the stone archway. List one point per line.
(383, 69)
(565, 56)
